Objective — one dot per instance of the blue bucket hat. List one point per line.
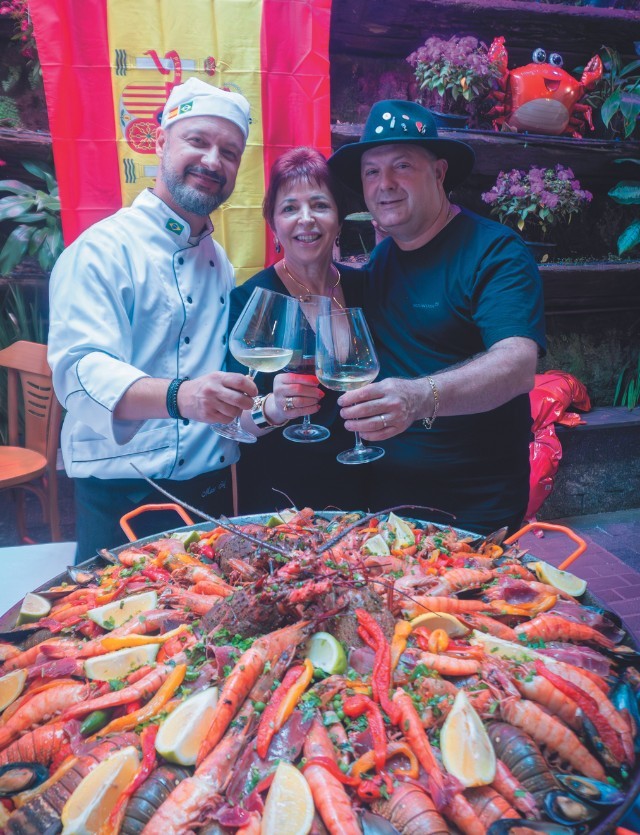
(397, 121)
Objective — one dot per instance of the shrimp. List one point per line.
(514, 792)
(484, 623)
(447, 665)
(549, 627)
(411, 811)
(41, 708)
(178, 598)
(541, 690)
(28, 657)
(329, 795)
(549, 731)
(38, 746)
(489, 805)
(462, 579)
(200, 574)
(243, 677)
(450, 605)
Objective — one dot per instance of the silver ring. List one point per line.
(288, 404)
(384, 421)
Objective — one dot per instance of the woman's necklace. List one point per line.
(307, 290)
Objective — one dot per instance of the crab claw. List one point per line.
(498, 54)
(592, 73)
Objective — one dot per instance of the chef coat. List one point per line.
(134, 296)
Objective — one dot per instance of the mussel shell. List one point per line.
(614, 617)
(17, 777)
(109, 556)
(82, 576)
(595, 791)
(623, 654)
(58, 591)
(373, 824)
(565, 807)
(624, 699)
(344, 520)
(597, 745)
(510, 826)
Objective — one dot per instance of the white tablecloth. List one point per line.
(25, 567)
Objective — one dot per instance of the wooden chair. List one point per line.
(32, 464)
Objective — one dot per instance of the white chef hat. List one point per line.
(197, 98)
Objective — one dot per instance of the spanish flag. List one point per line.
(109, 66)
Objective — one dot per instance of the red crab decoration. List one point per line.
(541, 97)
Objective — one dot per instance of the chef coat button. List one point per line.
(185, 422)
(222, 459)
(181, 462)
(189, 299)
(187, 340)
(221, 299)
(181, 260)
(224, 339)
(211, 264)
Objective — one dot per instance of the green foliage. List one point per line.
(617, 94)
(9, 114)
(627, 193)
(628, 387)
(35, 214)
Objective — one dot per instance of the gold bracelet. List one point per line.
(428, 422)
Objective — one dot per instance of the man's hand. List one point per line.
(382, 410)
(218, 397)
(294, 395)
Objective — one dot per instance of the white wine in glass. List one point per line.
(263, 340)
(347, 360)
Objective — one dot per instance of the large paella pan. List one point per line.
(316, 673)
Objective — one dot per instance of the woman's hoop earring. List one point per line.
(338, 241)
(277, 245)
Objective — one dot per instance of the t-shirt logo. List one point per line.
(174, 226)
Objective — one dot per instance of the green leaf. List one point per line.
(630, 238)
(38, 169)
(16, 187)
(37, 239)
(626, 192)
(13, 207)
(610, 107)
(14, 249)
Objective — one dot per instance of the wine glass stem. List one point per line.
(359, 445)
(252, 373)
(306, 422)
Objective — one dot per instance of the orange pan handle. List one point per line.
(622, 831)
(124, 522)
(548, 526)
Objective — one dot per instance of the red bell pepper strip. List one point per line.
(332, 767)
(148, 764)
(267, 728)
(355, 706)
(372, 789)
(381, 679)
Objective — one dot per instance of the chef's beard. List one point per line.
(191, 199)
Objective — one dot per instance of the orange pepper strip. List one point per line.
(438, 641)
(293, 696)
(112, 643)
(401, 633)
(152, 707)
(407, 551)
(367, 761)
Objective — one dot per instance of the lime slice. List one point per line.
(181, 733)
(120, 611)
(33, 608)
(93, 800)
(280, 518)
(441, 620)
(467, 752)
(502, 648)
(397, 532)
(11, 686)
(376, 546)
(118, 664)
(187, 537)
(289, 807)
(561, 580)
(327, 653)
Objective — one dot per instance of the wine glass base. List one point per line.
(310, 434)
(360, 456)
(233, 432)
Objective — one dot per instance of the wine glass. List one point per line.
(263, 340)
(303, 361)
(347, 360)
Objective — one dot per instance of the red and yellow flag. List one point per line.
(109, 66)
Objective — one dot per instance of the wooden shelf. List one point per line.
(24, 144)
(591, 159)
(590, 288)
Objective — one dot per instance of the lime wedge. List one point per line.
(120, 611)
(376, 547)
(327, 653)
(33, 608)
(467, 752)
(397, 532)
(187, 538)
(561, 580)
(280, 518)
(181, 733)
(11, 686)
(121, 662)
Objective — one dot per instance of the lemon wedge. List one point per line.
(181, 733)
(97, 793)
(397, 533)
(327, 653)
(289, 806)
(561, 580)
(120, 611)
(502, 648)
(121, 662)
(441, 620)
(467, 752)
(11, 686)
(376, 546)
(33, 608)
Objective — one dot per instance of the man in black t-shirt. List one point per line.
(454, 302)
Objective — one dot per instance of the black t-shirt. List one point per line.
(429, 309)
(307, 473)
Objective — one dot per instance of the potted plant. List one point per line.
(535, 201)
(627, 193)
(616, 99)
(454, 77)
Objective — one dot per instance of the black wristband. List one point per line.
(172, 398)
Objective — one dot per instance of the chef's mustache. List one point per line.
(212, 175)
